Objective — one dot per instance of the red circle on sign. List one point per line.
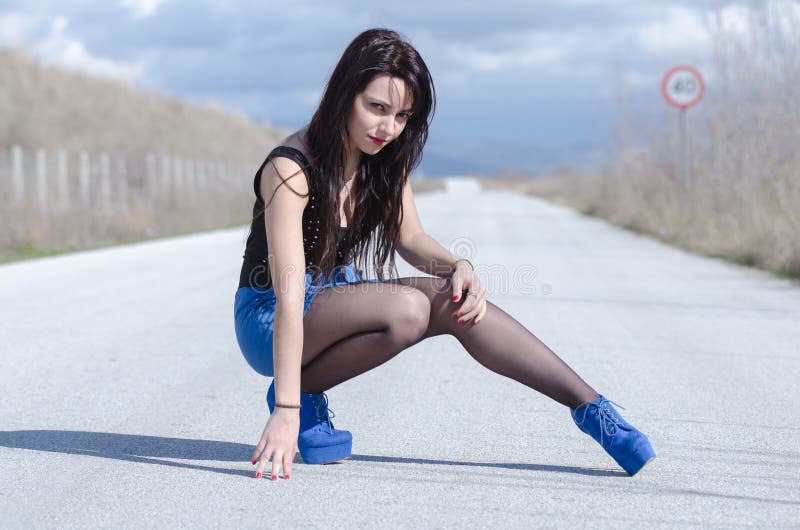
(692, 71)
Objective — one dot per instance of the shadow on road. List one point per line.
(162, 451)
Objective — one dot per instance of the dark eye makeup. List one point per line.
(405, 114)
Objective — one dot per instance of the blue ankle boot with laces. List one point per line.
(627, 445)
(318, 441)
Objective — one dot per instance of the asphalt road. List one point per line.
(124, 400)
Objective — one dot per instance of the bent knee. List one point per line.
(413, 313)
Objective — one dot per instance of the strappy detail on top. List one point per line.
(289, 152)
(255, 266)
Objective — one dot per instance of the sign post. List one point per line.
(683, 87)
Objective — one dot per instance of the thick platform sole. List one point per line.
(325, 454)
(636, 460)
(645, 463)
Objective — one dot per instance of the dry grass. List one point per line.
(51, 109)
(425, 185)
(742, 202)
(47, 107)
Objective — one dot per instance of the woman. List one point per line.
(337, 192)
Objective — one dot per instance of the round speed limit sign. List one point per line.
(682, 86)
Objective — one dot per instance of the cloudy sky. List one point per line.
(525, 84)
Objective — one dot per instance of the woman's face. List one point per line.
(381, 112)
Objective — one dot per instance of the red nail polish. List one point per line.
(274, 477)
(258, 475)
(286, 477)
(460, 320)
(455, 298)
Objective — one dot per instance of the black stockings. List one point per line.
(349, 330)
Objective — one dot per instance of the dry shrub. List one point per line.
(742, 201)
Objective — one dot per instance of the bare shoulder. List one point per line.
(296, 140)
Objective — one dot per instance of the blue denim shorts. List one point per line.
(254, 315)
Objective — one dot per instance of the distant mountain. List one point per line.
(489, 158)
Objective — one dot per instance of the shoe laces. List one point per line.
(610, 422)
(322, 410)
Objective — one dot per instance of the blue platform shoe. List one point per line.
(627, 445)
(318, 441)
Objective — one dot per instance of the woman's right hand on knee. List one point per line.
(278, 442)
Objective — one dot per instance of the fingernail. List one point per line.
(455, 298)
(274, 477)
(286, 477)
(258, 475)
(460, 320)
(254, 462)
(454, 315)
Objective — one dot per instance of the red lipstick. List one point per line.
(377, 141)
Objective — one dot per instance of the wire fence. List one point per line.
(61, 199)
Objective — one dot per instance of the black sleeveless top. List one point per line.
(255, 267)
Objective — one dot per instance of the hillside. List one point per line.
(48, 107)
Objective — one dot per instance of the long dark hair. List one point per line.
(377, 212)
